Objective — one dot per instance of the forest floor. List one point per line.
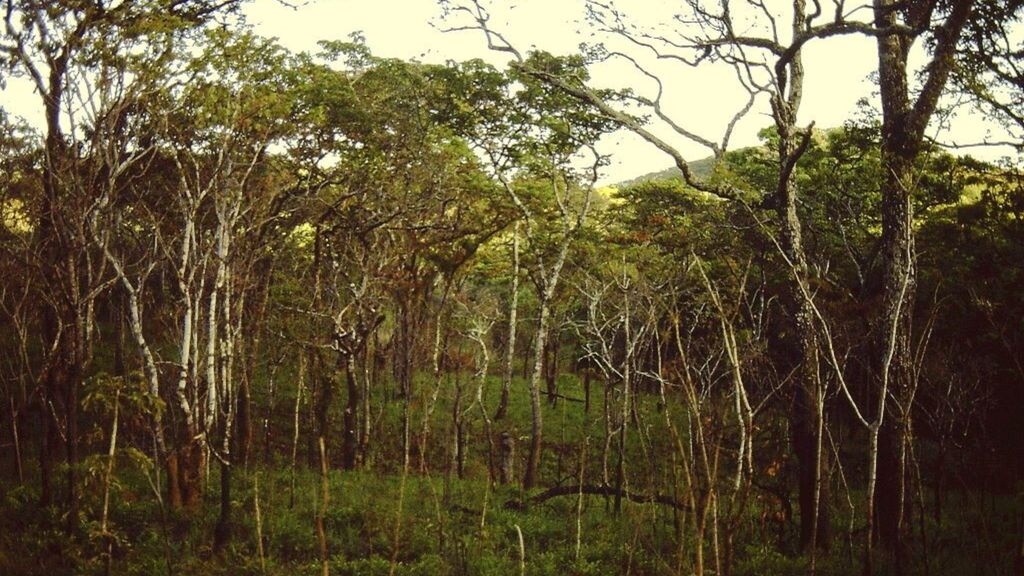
(436, 523)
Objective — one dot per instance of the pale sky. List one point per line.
(837, 68)
(703, 103)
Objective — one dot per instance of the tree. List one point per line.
(770, 65)
(904, 121)
(528, 140)
(62, 48)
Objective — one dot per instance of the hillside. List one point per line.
(701, 168)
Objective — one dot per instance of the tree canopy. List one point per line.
(267, 311)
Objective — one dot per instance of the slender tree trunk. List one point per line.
(107, 479)
(16, 441)
(807, 428)
(317, 404)
(528, 355)
(438, 362)
(623, 430)
(370, 378)
(49, 242)
(551, 368)
(268, 416)
(367, 356)
(457, 429)
(172, 466)
(871, 491)
(243, 429)
(349, 447)
(586, 389)
(324, 402)
(259, 522)
(506, 457)
(47, 439)
(807, 417)
(72, 387)
(620, 463)
(537, 421)
(312, 404)
(325, 496)
(510, 346)
(295, 426)
(230, 397)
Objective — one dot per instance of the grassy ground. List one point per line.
(448, 525)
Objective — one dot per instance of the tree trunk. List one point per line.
(190, 472)
(323, 403)
(50, 241)
(551, 368)
(898, 284)
(507, 445)
(620, 462)
(47, 439)
(244, 427)
(349, 446)
(438, 359)
(811, 467)
(527, 355)
(903, 126)
(268, 416)
(586, 390)
(807, 417)
(299, 385)
(321, 513)
(458, 458)
(364, 436)
(510, 345)
(71, 384)
(16, 441)
(222, 533)
(312, 403)
(537, 421)
(172, 467)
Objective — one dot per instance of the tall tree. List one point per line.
(57, 46)
(905, 118)
(529, 140)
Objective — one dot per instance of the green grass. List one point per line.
(451, 526)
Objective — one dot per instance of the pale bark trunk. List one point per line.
(325, 498)
(620, 465)
(152, 375)
(537, 420)
(440, 348)
(295, 426)
(349, 446)
(510, 346)
(107, 480)
(367, 429)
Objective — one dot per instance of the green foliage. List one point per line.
(373, 200)
(441, 531)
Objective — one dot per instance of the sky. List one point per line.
(703, 102)
(837, 69)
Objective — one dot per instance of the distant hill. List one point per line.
(701, 169)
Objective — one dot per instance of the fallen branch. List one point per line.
(575, 490)
(563, 397)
